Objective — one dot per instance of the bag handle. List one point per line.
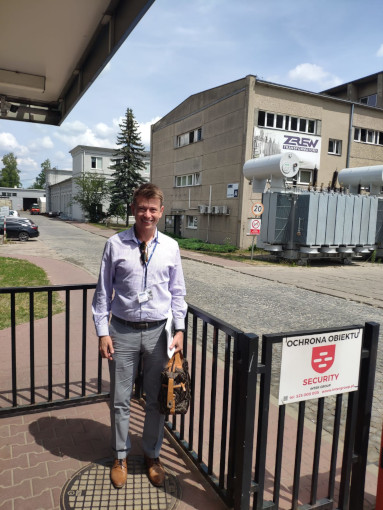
(175, 362)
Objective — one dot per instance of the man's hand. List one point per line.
(178, 341)
(106, 347)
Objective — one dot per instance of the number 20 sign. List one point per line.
(257, 208)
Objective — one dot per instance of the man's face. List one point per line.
(147, 213)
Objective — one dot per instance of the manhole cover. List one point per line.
(91, 489)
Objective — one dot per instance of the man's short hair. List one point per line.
(148, 191)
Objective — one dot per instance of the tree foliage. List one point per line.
(92, 189)
(41, 178)
(10, 174)
(127, 164)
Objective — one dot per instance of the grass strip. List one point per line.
(21, 273)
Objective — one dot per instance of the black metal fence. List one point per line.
(228, 430)
(48, 359)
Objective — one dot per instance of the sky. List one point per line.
(180, 48)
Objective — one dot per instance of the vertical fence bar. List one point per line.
(67, 336)
(298, 454)
(83, 355)
(278, 455)
(13, 349)
(334, 447)
(344, 490)
(366, 390)
(225, 408)
(245, 396)
(318, 439)
(192, 389)
(263, 420)
(50, 348)
(202, 399)
(213, 395)
(32, 346)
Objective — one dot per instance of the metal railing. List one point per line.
(53, 372)
(226, 432)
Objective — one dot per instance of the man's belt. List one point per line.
(139, 325)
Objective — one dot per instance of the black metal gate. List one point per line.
(227, 432)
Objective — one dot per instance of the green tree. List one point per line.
(10, 174)
(127, 163)
(92, 189)
(40, 179)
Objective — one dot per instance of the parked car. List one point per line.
(35, 209)
(19, 228)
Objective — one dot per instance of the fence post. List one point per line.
(244, 395)
(366, 382)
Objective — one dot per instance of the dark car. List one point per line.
(19, 228)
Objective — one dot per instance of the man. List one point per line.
(140, 281)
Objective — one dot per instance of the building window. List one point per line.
(286, 122)
(192, 222)
(14, 194)
(368, 136)
(335, 147)
(190, 137)
(188, 180)
(96, 163)
(369, 100)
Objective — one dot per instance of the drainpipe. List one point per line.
(208, 217)
(350, 135)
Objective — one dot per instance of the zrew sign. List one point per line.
(319, 364)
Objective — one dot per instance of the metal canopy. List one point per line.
(52, 50)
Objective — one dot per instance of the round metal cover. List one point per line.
(91, 489)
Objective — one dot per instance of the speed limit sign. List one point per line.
(257, 208)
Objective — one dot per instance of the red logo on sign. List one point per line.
(322, 358)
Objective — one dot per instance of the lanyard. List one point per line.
(149, 259)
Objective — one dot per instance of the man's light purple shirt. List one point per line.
(122, 277)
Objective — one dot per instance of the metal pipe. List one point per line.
(350, 135)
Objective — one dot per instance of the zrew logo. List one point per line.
(300, 142)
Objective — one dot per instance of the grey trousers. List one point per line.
(129, 344)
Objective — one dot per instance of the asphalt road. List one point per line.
(254, 304)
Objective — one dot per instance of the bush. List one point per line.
(198, 245)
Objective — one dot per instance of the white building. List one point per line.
(60, 185)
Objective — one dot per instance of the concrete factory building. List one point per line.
(198, 150)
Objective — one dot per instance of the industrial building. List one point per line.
(61, 187)
(20, 199)
(198, 150)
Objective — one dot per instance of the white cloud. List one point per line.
(145, 130)
(379, 53)
(41, 143)
(9, 143)
(27, 164)
(103, 129)
(312, 73)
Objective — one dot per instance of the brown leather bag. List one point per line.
(174, 396)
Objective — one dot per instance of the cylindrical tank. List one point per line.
(367, 176)
(273, 168)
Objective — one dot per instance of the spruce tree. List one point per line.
(127, 164)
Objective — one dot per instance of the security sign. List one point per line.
(319, 364)
(254, 227)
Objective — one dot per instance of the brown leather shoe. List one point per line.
(156, 472)
(119, 473)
